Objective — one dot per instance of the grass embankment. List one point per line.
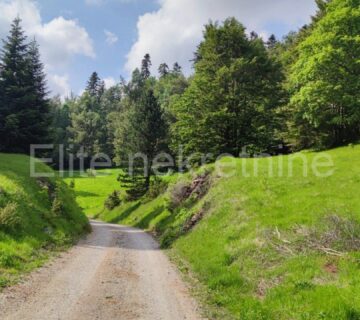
(267, 247)
(37, 216)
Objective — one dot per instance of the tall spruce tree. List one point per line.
(95, 86)
(177, 68)
(24, 112)
(145, 66)
(146, 133)
(41, 104)
(163, 70)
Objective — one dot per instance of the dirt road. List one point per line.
(116, 273)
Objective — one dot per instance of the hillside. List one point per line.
(264, 247)
(37, 216)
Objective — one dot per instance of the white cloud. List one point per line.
(109, 82)
(60, 39)
(172, 33)
(59, 84)
(111, 38)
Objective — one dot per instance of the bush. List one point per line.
(157, 187)
(72, 184)
(10, 219)
(112, 201)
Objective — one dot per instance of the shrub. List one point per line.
(72, 184)
(10, 219)
(112, 201)
(157, 187)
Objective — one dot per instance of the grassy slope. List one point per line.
(29, 232)
(91, 192)
(253, 250)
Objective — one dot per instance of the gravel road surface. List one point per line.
(115, 273)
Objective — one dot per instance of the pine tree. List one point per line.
(24, 113)
(95, 86)
(163, 70)
(146, 133)
(271, 43)
(145, 66)
(13, 65)
(41, 105)
(177, 68)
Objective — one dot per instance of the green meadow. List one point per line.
(269, 244)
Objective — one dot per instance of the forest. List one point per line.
(273, 96)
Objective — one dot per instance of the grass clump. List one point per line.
(10, 219)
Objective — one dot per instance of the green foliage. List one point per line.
(85, 124)
(168, 89)
(145, 67)
(10, 219)
(112, 201)
(324, 80)
(95, 86)
(157, 187)
(134, 184)
(163, 70)
(233, 95)
(24, 108)
(141, 134)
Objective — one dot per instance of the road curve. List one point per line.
(115, 273)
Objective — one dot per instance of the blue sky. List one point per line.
(111, 36)
(119, 18)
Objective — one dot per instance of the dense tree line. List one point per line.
(302, 92)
